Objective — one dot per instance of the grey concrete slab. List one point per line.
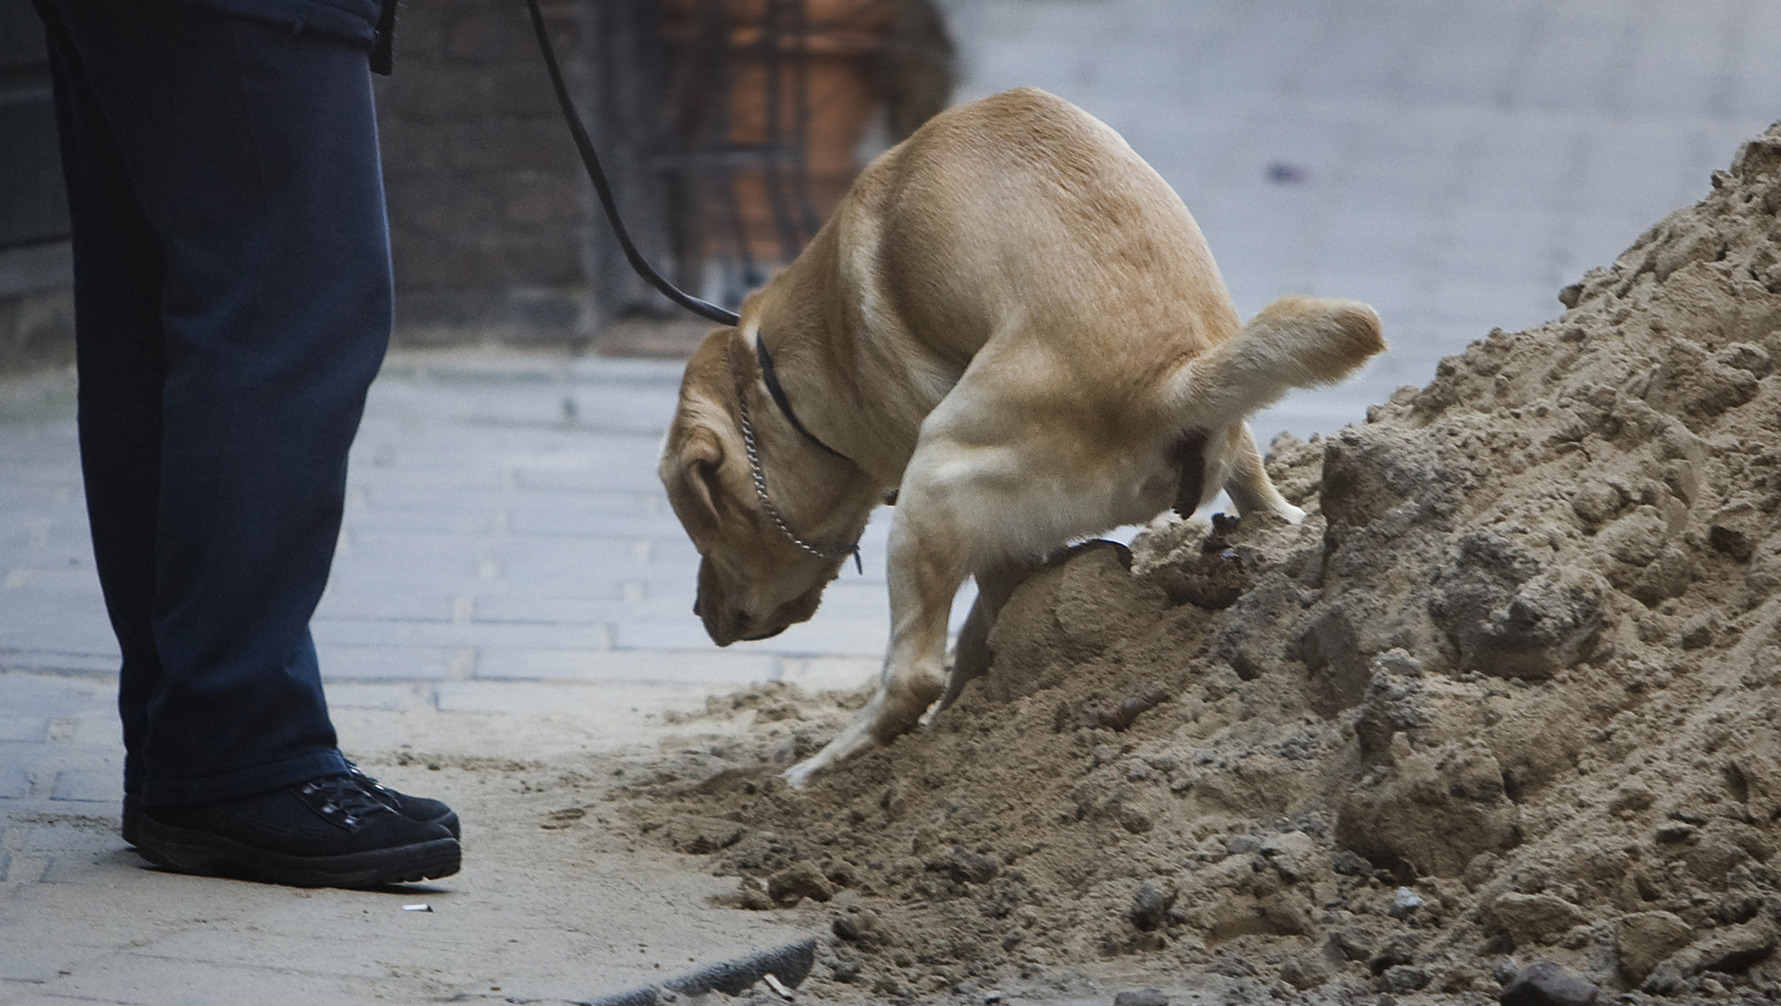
(24, 729)
(391, 662)
(547, 609)
(87, 786)
(663, 664)
(412, 605)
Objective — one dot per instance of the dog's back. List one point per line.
(1023, 215)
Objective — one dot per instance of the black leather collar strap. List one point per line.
(769, 375)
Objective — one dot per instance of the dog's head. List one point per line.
(753, 580)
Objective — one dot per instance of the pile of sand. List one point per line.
(1513, 692)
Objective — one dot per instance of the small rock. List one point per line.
(1664, 980)
(1404, 902)
(845, 970)
(855, 925)
(1288, 867)
(1547, 984)
(1402, 979)
(1630, 798)
(1671, 832)
(701, 836)
(1745, 356)
(1110, 714)
(1729, 949)
(1480, 868)
(1151, 904)
(1239, 845)
(1400, 949)
(1350, 944)
(1141, 997)
(1288, 853)
(969, 867)
(1305, 971)
(1232, 966)
(1644, 939)
(1737, 529)
(1535, 918)
(796, 882)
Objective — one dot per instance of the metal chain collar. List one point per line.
(759, 475)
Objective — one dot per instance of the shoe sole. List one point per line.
(206, 854)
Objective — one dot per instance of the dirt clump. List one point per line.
(1511, 695)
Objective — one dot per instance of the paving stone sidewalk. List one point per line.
(510, 582)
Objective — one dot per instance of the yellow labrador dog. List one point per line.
(1014, 328)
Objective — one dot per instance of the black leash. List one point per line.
(591, 161)
(704, 309)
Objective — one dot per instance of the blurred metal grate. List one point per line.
(733, 122)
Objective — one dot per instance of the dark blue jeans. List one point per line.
(232, 304)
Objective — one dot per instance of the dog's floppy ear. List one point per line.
(699, 457)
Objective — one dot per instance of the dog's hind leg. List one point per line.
(1248, 483)
(970, 657)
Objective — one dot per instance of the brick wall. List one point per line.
(489, 210)
(495, 232)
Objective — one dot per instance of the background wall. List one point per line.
(36, 305)
(488, 204)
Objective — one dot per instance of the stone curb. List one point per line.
(790, 964)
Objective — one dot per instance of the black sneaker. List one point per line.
(414, 808)
(328, 832)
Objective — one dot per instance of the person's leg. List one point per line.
(119, 274)
(233, 304)
(252, 152)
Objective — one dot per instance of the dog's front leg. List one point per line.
(929, 557)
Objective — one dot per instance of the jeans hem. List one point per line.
(244, 783)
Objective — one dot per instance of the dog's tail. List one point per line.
(1295, 342)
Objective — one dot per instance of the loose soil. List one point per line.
(1512, 693)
